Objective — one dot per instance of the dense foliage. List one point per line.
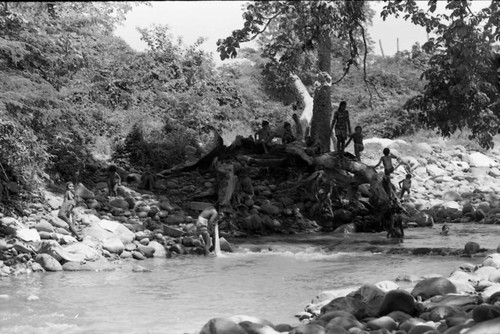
(71, 92)
(463, 87)
(292, 29)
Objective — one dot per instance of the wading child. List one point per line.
(357, 138)
(405, 185)
(204, 224)
(66, 210)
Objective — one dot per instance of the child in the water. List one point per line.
(445, 230)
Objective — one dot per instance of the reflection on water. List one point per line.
(180, 295)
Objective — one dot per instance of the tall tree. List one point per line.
(300, 27)
(463, 89)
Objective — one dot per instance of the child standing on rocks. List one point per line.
(386, 160)
(66, 211)
(405, 185)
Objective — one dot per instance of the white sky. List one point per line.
(217, 19)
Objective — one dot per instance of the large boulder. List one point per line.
(433, 286)
(119, 203)
(48, 262)
(222, 326)
(113, 245)
(159, 249)
(83, 192)
(398, 300)
(117, 230)
(477, 159)
(366, 301)
(72, 252)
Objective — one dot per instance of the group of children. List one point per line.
(343, 134)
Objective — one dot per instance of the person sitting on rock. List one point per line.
(405, 185)
(148, 179)
(313, 145)
(66, 211)
(264, 136)
(287, 136)
(113, 180)
(204, 225)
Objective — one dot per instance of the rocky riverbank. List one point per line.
(450, 184)
(467, 302)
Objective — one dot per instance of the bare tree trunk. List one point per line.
(307, 100)
(322, 107)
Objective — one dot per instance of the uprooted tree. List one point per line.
(292, 30)
(463, 76)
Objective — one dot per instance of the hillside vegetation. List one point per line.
(73, 94)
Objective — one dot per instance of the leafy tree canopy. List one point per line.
(463, 87)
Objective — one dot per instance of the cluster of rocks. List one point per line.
(468, 302)
(135, 225)
(450, 184)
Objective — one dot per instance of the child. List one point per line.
(357, 138)
(264, 136)
(205, 222)
(65, 213)
(148, 179)
(405, 185)
(342, 127)
(445, 230)
(288, 136)
(113, 180)
(386, 160)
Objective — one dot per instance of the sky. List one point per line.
(217, 19)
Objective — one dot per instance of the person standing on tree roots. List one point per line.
(342, 126)
(386, 160)
(357, 138)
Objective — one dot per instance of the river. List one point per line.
(268, 277)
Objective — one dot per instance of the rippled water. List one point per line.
(180, 295)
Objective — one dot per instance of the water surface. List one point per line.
(181, 294)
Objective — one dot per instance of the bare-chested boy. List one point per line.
(357, 138)
(386, 160)
(405, 185)
(204, 224)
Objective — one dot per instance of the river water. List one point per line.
(272, 278)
